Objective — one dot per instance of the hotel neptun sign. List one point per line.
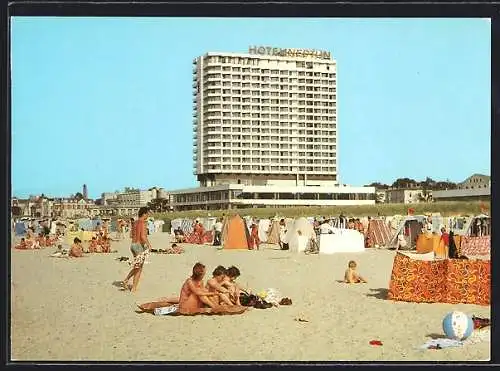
(287, 52)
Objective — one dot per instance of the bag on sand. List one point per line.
(248, 300)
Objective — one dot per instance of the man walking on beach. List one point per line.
(139, 248)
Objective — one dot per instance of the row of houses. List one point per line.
(475, 187)
(233, 196)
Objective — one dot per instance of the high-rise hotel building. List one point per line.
(265, 132)
(266, 117)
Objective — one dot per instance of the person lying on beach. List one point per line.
(232, 273)
(174, 249)
(214, 285)
(351, 276)
(76, 250)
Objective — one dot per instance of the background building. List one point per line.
(404, 196)
(268, 117)
(233, 196)
(476, 181)
(474, 188)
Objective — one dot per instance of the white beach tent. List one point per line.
(341, 240)
(264, 225)
(298, 234)
(394, 240)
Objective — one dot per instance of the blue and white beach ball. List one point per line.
(457, 325)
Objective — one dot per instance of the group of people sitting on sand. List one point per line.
(40, 241)
(100, 244)
(220, 295)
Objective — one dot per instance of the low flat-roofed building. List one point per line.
(474, 194)
(234, 196)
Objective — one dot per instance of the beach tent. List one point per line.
(458, 224)
(379, 232)
(273, 234)
(299, 234)
(395, 222)
(53, 227)
(481, 229)
(82, 235)
(186, 225)
(263, 229)
(96, 222)
(341, 240)
(437, 222)
(418, 278)
(414, 230)
(174, 224)
(85, 224)
(20, 229)
(237, 236)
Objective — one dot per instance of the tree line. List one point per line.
(427, 184)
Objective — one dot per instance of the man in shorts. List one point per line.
(139, 248)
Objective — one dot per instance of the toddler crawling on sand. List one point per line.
(351, 276)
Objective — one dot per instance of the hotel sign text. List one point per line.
(281, 52)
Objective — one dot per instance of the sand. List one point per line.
(72, 310)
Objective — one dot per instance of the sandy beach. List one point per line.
(72, 310)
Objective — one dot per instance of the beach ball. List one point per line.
(457, 325)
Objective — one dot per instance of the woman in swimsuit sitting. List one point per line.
(232, 273)
(214, 285)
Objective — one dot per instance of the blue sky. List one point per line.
(107, 101)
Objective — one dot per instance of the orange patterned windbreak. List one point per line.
(444, 281)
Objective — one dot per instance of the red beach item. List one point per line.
(375, 342)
